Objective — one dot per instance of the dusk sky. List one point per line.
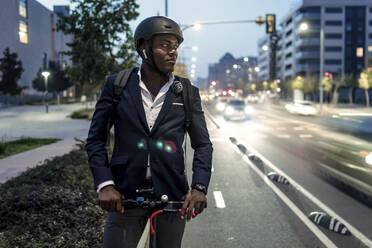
(213, 41)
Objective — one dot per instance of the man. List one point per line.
(149, 115)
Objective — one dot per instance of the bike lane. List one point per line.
(254, 215)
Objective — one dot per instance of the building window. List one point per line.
(288, 55)
(288, 67)
(348, 26)
(370, 36)
(23, 32)
(333, 49)
(23, 8)
(332, 61)
(369, 48)
(333, 36)
(312, 10)
(359, 52)
(333, 23)
(370, 10)
(333, 10)
(289, 22)
(288, 44)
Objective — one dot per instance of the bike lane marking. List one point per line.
(306, 193)
(320, 235)
(220, 202)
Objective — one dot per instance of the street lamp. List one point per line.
(257, 69)
(265, 48)
(304, 27)
(197, 26)
(46, 75)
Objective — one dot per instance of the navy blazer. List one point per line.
(134, 142)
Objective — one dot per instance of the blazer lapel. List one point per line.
(135, 94)
(169, 99)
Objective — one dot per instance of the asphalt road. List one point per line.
(255, 216)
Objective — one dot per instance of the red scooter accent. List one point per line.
(159, 212)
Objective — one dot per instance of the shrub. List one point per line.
(3, 146)
(52, 205)
(86, 113)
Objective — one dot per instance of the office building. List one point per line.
(28, 29)
(347, 39)
(229, 72)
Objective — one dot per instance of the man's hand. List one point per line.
(194, 202)
(110, 199)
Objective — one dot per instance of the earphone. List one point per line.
(144, 53)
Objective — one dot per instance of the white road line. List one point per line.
(299, 128)
(312, 198)
(220, 203)
(321, 236)
(305, 136)
(283, 136)
(356, 114)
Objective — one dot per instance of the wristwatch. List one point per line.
(199, 187)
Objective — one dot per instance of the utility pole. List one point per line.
(273, 51)
(166, 7)
(321, 71)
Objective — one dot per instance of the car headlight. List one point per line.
(369, 159)
(220, 106)
(248, 110)
(229, 110)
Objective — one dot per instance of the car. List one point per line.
(237, 109)
(253, 98)
(301, 108)
(221, 104)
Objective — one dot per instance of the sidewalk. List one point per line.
(13, 165)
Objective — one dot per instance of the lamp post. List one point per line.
(46, 75)
(197, 25)
(304, 27)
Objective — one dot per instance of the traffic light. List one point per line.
(270, 23)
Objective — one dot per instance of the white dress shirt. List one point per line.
(152, 109)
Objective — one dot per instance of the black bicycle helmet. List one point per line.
(156, 25)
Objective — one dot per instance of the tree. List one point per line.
(349, 81)
(11, 71)
(103, 42)
(57, 81)
(365, 82)
(311, 85)
(298, 83)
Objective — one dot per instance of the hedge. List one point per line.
(52, 205)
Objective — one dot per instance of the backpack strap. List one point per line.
(187, 100)
(120, 82)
